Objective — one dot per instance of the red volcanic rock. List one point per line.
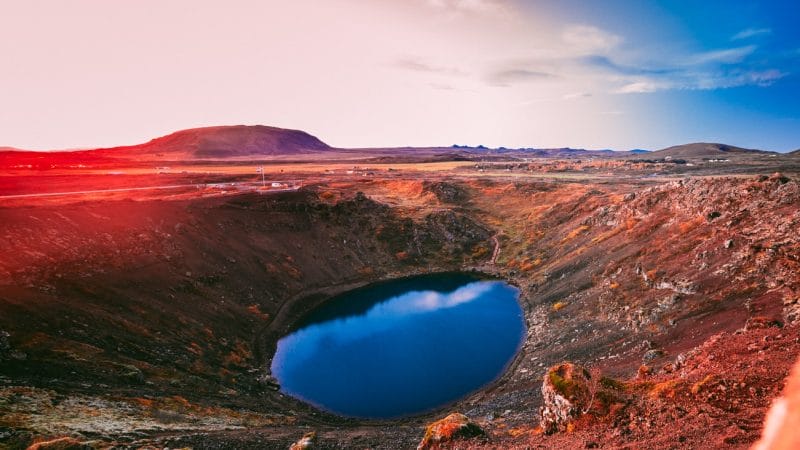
(456, 426)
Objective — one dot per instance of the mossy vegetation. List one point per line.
(610, 383)
(567, 387)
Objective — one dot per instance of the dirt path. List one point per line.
(496, 249)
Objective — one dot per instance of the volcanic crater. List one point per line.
(150, 318)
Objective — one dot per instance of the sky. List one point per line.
(618, 74)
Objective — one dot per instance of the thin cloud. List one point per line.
(590, 39)
(641, 87)
(750, 32)
(763, 78)
(709, 70)
(704, 81)
(417, 65)
(604, 62)
(507, 77)
(724, 56)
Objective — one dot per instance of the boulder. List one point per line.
(567, 394)
(652, 354)
(456, 426)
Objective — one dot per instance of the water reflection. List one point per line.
(405, 354)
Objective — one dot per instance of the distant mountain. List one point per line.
(796, 152)
(578, 153)
(245, 142)
(702, 149)
(225, 142)
(562, 152)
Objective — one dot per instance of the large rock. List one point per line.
(567, 394)
(456, 426)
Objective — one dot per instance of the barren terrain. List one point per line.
(147, 317)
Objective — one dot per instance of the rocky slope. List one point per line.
(163, 314)
(156, 301)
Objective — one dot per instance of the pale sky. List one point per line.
(359, 73)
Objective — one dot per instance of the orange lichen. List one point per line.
(181, 401)
(665, 389)
(479, 251)
(685, 227)
(453, 427)
(144, 402)
(239, 355)
(59, 443)
(256, 311)
(697, 387)
(574, 233)
(557, 306)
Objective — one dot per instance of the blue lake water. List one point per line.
(402, 347)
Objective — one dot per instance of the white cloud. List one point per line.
(762, 78)
(641, 87)
(419, 302)
(362, 326)
(724, 56)
(750, 32)
(713, 69)
(702, 81)
(589, 39)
